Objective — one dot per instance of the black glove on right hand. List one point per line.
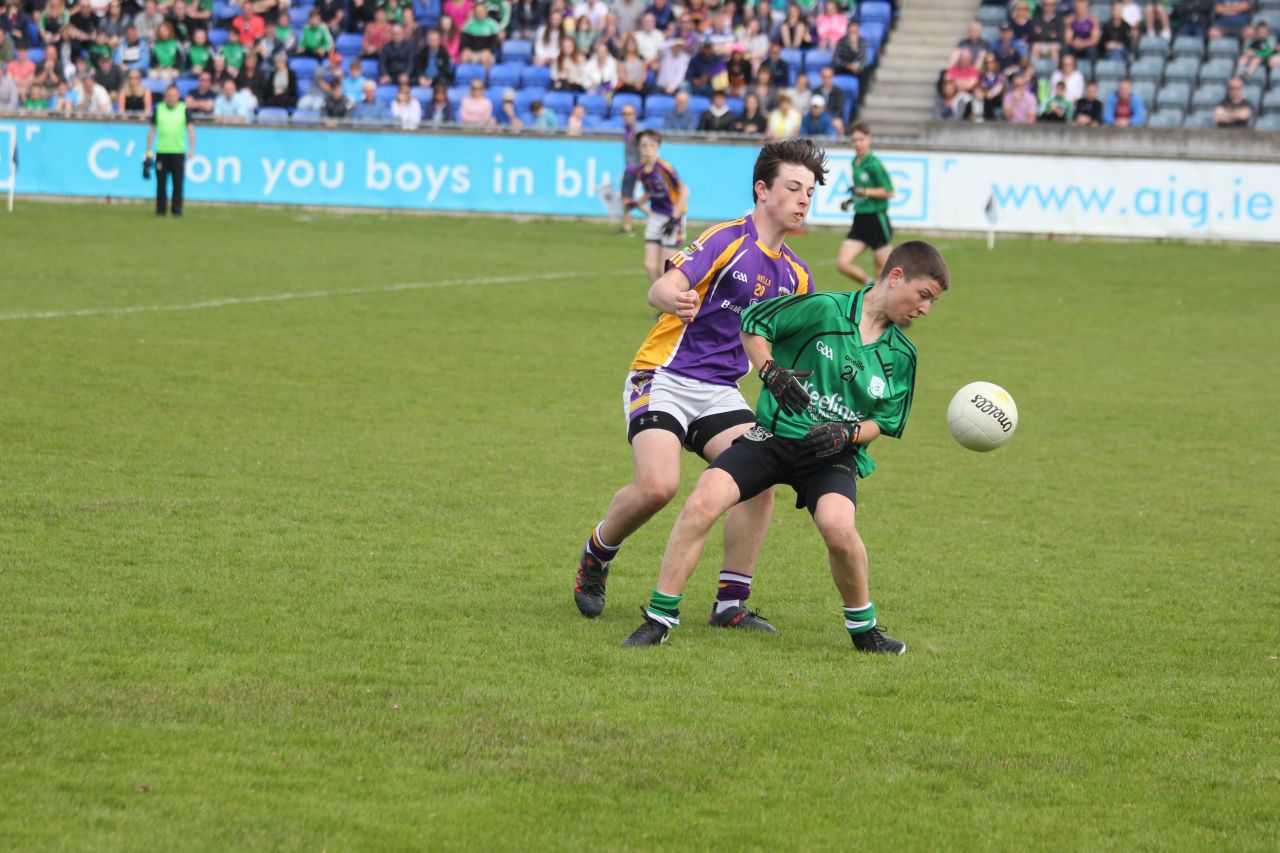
(669, 227)
(785, 387)
(846, 205)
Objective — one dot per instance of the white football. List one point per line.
(982, 416)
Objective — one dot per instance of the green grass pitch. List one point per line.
(293, 568)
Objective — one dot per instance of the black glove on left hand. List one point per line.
(828, 439)
(670, 226)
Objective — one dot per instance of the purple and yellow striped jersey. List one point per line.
(661, 184)
(730, 270)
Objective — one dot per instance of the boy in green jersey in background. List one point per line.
(839, 372)
(872, 190)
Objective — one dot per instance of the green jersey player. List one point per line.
(839, 373)
(872, 189)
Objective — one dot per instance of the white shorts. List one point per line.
(653, 231)
(694, 410)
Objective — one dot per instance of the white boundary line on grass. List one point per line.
(304, 294)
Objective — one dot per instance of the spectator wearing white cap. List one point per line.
(817, 121)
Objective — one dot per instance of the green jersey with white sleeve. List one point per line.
(852, 380)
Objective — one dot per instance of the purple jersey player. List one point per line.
(665, 201)
(682, 390)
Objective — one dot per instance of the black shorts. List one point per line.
(760, 459)
(872, 229)
(700, 431)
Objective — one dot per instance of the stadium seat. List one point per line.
(1147, 68)
(156, 86)
(517, 50)
(524, 97)
(654, 105)
(590, 122)
(1043, 67)
(224, 12)
(1199, 119)
(1271, 102)
(652, 123)
(1166, 119)
(698, 104)
(1153, 46)
(1218, 70)
(816, 59)
(536, 75)
(849, 85)
(1112, 69)
(1253, 94)
(1188, 46)
(1183, 69)
(873, 54)
(621, 99)
(875, 11)
(217, 38)
(298, 16)
(595, 105)
(506, 74)
(306, 117)
(1226, 48)
(1270, 121)
(1145, 88)
(387, 93)
(991, 16)
(1173, 95)
(1208, 96)
(422, 94)
(1268, 4)
(990, 34)
(304, 67)
(734, 105)
(794, 58)
(273, 115)
(874, 34)
(465, 72)
(559, 102)
(185, 85)
(349, 44)
(1271, 16)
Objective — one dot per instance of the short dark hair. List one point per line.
(648, 134)
(798, 152)
(860, 127)
(918, 259)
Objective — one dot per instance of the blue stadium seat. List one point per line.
(1201, 119)
(185, 85)
(989, 16)
(794, 57)
(654, 105)
(990, 34)
(349, 44)
(698, 104)
(217, 38)
(559, 102)
(590, 122)
(1218, 70)
(875, 11)
(622, 99)
(273, 115)
(422, 94)
(517, 50)
(734, 105)
(873, 54)
(595, 105)
(223, 12)
(1147, 68)
(387, 93)
(506, 74)
(1208, 96)
(465, 72)
(306, 117)
(1145, 88)
(368, 66)
(1183, 69)
(156, 86)
(1270, 121)
(1188, 46)
(1271, 16)
(456, 93)
(1227, 48)
(1153, 46)
(815, 60)
(1173, 95)
(849, 85)
(304, 67)
(1166, 119)
(1253, 94)
(298, 15)
(874, 34)
(652, 123)
(1112, 69)
(536, 75)
(525, 97)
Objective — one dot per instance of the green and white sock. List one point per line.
(858, 620)
(664, 608)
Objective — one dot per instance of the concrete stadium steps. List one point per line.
(900, 99)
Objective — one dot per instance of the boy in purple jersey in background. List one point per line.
(666, 198)
(682, 390)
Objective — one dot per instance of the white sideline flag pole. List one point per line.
(991, 222)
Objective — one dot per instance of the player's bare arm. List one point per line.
(671, 294)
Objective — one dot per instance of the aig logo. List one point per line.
(738, 275)
(826, 351)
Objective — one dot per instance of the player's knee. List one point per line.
(840, 538)
(656, 491)
(702, 508)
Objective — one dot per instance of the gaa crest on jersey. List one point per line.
(757, 433)
(876, 387)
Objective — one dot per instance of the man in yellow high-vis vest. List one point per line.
(175, 142)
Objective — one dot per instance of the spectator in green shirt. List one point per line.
(200, 54)
(316, 40)
(1057, 109)
(233, 50)
(480, 37)
(167, 59)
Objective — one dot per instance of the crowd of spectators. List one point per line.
(1089, 65)
(718, 66)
